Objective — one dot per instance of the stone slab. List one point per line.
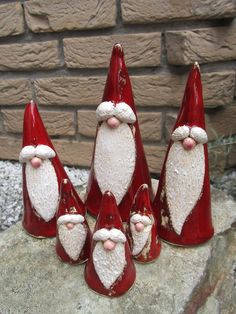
(35, 281)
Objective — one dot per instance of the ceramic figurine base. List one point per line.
(110, 270)
(118, 154)
(183, 203)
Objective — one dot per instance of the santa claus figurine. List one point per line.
(142, 228)
(119, 164)
(182, 203)
(73, 233)
(42, 176)
(110, 270)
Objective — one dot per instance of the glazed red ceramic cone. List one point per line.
(142, 228)
(182, 203)
(110, 270)
(42, 175)
(73, 233)
(119, 164)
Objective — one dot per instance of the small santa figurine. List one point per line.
(73, 233)
(110, 270)
(142, 228)
(119, 164)
(42, 175)
(183, 203)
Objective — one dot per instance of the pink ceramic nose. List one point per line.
(139, 226)
(70, 225)
(109, 245)
(189, 143)
(36, 162)
(113, 122)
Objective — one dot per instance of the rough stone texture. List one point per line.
(155, 156)
(10, 148)
(149, 123)
(231, 162)
(15, 91)
(87, 122)
(149, 90)
(56, 16)
(202, 45)
(94, 52)
(69, 90)
(11, 19)
(56, 122)
(32, 285)
(74, 153)
(29, 56)
(219, 124)
(168, 90)
(149, 11)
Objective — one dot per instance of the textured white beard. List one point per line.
(72, 240)
(139, 238)
(185, 172)
(109, 265)
(114, 161)
(42, 188)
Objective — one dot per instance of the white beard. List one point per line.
(42, 188)
(139, 238)
(72, 240)
(185, 172)
(114, 161)
(109, 265)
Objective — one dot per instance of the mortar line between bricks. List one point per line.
(220, 66)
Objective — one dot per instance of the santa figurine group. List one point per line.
(129, 219)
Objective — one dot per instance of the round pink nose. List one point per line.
(113, 122)
(109, 245)
(70, 225)
(189, 143)
(139, 226)
(36, 162)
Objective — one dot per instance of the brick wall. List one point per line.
(57, 52)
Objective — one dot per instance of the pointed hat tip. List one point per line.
(118, 49)
(196, 65)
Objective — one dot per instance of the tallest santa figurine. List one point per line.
(119, 164)
(182, 203)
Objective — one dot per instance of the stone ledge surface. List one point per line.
(34, 281)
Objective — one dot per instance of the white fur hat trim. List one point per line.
(27, 153)
(44, 152)
(41, 151)
(139, 218)
(199, 135)
(114, 234)
(180, 133)
(124, 113)
(105, 110)
(70, 218)
(121, 111)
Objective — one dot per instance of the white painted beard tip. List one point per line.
(42, 187)
(185, 172)
(114, 159)
(72, 240)
(140, 239)
(109, 266)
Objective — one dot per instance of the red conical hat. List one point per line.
(109, 218)
(117, 90)
(197, 227)
(70, 211)
(192, 109)
(34, 133)
(142, 207)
